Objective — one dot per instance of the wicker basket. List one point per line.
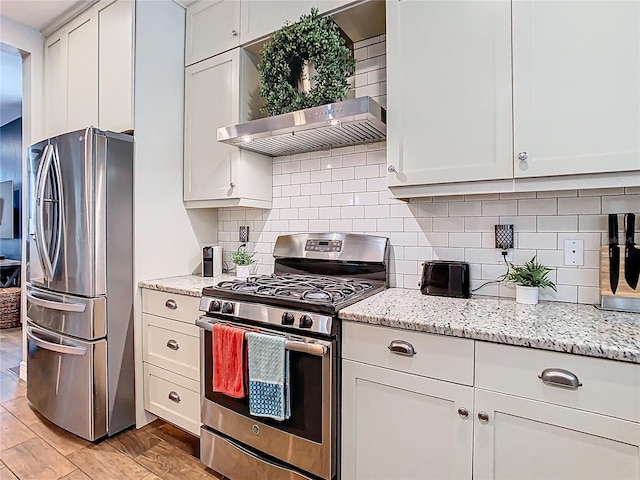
(9, 307)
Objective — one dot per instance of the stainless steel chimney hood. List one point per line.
(349, 122)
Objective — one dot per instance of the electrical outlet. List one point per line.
(244, 234)
(574, 252)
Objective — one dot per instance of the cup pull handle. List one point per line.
(174, 397)
(558, 377)
(171, 304)
(401, 347)
(173, 345)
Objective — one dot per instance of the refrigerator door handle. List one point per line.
(40, 238)
(65, 307)
(54, 347)
(58, 180)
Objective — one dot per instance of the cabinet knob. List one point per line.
(391, 169)
(400, 347)
(522, 156)
(232, 185)
(463, 412)
(173, 345)
(483, 417)
(234, 33)
(171, 304)
(174, 397)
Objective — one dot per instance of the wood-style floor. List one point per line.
(32, 448)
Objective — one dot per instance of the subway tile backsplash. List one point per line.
(344, 190)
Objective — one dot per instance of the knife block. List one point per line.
(623, 290)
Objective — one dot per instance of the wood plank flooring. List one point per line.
(32, 448)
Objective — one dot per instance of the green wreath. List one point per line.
(314, 39)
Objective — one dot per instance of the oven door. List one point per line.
(308, 439)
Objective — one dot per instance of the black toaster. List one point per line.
(445, 278)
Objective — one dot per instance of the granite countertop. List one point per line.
(191, 285)
(563, 327)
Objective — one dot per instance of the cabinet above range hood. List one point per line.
(350, 122)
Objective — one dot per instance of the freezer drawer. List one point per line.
(79, 317)
(68, 381)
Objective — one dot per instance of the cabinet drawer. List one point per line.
(437, 356)
(170, 305)
(172, 397)
(608, 387)
(171, 345)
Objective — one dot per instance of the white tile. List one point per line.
(376, 211)
(435, 239)
(308, 213)
(465, 240)
(321, 153)
(376, 184)
(521, 256)
(425, 224)
(390, 224)
(253, 214)
(481, 255)
(499, 207)
(538, 241)
(592, 223)
(433, 209)
(367, 41)
(551, 258)
(400, 210)
(280, 226)
(376, 157)
(377, 76)
(632, 190)
(312, 189)
(558, 223)
(352, 212)
(517, 195)
(224, 214)
(309, 165)
(480, 224)
(621, 204)
(588, 277)
(321, 176)
(301, 156)
(369, 147)
(591, 259)
(342, 174)
(329, 213)
(341, 199)
(367, 171)
(300, 202)
(406, 239)
(284, 179)
(362, 198)
(407, 267)
(329, 163)
(521, 223)
(321, 201)
(481, 196)
(238, 214)
(465, 209)
(488, 240)
(360, 53)
(545, 206)
(420, 254)
(592, 241)
(367, 65)
(301, 178)
(276, 192)
(446, 224)
(377, 49)
(585, 205)
(364, 224)
(276, 168)
(299, 226)
(455, 254)
(475, 270)
(383, 88)
(331, 187)
(343, 225)
(232, 226)
(589, 295)
(449, 198)
(354, 160)
(319, 225)
(598, 192)
(491, 289)
(411, 225)
(291, 167)
(348, 150)
(492, 272)
(291, 190)
(360, 80)
(558, 193)
(289, 214)
(281, 202)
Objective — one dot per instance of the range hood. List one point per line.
(339, 124)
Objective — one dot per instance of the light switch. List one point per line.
(574, 252)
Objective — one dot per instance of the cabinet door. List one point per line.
(529, 439)
(115, 66)
(401, 426)
(449, 91)
(212, 27)
(55, 83)
(575, 87)
(211, 101)
(82, 72)
(263, 17)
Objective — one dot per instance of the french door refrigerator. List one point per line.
(80, 367)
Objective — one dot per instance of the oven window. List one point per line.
(306, 395)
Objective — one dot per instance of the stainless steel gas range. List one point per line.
(315, 275)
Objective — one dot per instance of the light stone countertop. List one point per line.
(191, 285)
(562, 327)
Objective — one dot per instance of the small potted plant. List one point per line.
(529, 278)
(243, 261)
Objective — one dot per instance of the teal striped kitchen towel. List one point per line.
(268, 376)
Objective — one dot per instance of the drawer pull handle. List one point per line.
(174, 397)
(557, 377)
(171, 304)
(173, 345)
(400, 347)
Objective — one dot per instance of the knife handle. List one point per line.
(631, 228)
(613, 229)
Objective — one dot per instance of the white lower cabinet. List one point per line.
(404, 427)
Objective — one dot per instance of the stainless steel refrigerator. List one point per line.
(80, 366)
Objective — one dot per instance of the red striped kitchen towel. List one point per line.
(229, 362)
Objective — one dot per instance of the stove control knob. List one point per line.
(287, 318)
(306, 321)
(215, 306)
(227, 307)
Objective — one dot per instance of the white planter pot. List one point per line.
(243, 271)
(527, 295)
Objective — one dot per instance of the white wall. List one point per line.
(344, 190)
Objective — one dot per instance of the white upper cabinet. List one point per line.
(449, 91)
(213, 26)
(55, 85)
(576, 87)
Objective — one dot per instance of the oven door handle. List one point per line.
(294, 345)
